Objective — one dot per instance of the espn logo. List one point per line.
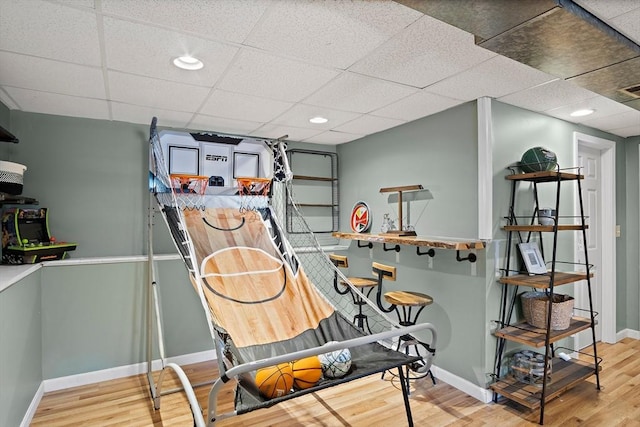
(216, 158)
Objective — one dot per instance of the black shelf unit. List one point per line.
(326, 207)
(565, 373)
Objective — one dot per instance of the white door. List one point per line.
(589, 160)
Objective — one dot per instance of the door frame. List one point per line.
(607, 234)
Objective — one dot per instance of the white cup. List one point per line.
(546, 216)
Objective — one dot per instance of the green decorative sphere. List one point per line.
(538, 159)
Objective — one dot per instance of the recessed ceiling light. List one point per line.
(188, 63)
(581, 113)
(318, 120)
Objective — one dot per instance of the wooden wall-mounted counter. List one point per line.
(433, 242)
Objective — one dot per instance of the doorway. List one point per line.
(596, 157)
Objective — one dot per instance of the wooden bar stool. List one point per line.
(364, 285)
(404, 303)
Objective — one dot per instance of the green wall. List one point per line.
(94, 316)
(92, 175)
(514, 131)
(5, 123)
(20, 348)
(439, 152)
(628, 302)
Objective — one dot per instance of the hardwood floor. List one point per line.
(366, 402)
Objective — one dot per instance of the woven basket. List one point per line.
(534, 309)
(11, 177)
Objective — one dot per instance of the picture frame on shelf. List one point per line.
(532, 258)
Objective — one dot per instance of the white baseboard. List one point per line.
(484, 395)
(33, 407)
(62, 383)
(628, 333)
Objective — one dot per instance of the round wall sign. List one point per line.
(360, 217)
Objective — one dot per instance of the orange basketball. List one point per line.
(306, 372)
(275, 381)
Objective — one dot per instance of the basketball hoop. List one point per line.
(189, 190)
(253, 193)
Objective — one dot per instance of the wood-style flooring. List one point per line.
(366, 402)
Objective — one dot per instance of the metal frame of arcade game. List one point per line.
(210, 236)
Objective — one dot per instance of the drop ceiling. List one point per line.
(269, 66)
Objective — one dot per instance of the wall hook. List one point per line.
(471, 258)
(367, 245)
(395, 248)
(431, 252)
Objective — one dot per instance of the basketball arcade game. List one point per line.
(265, 304)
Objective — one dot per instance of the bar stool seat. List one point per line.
(363, 284)
(404, 303)
(360, 282)
(407, 298)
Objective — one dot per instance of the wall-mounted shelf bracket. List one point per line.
(431, 252)
(393, 248)
(366, 245)
(471, 258)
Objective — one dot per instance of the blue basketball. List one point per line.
(538, 159)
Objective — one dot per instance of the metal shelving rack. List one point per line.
(330, 179)
(565, 373)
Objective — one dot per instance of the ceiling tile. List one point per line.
(626, 132)
(351, 92)
(417, 106)
(149, 51)
(333, 138)
(137, 114)
(90, 4)
(603, 107)
(34, 28)
(481, 80)
(243, 107)
(268, 76)
(149, 92)
(368, 124)
(629, 24)
(25, 72)
(221, 20)
(293, 134)
(616, 121)
(61, 105)
(219, 124)
(425, 52)
(330, 33)
(608, 9)
(546, 96)
(299, 115)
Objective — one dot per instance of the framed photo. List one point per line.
(532, 258)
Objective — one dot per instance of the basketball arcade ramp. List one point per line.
(268, 297)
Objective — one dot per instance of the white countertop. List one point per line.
(10, 274)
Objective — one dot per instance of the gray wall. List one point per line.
(20, 348)
(439, 152)
(515, 130)
(5, 123)
(628, 301)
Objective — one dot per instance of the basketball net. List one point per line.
(253, 193)
(188, 190)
